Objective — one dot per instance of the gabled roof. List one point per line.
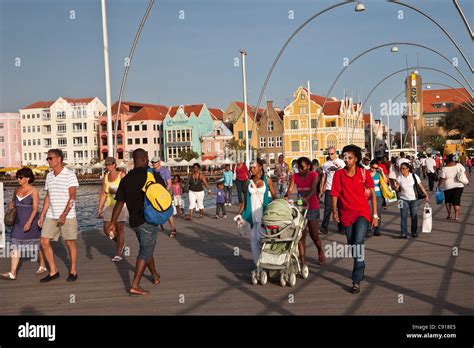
(250, 109)
(48, 103)
(331, 104)
(439, 96)
(188, 109)
(217, 114)
(147, 113)
(219, 125)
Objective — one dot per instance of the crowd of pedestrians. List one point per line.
(349, 184)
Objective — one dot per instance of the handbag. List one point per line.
(439, 196)
(366, 189)
(427, 219)
(419, 194)
(10, 216)
(461, 177)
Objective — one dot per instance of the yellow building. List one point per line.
(327, 126)
(239, 125)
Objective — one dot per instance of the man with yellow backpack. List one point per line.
(149, 205)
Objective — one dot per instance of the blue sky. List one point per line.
(191, 60)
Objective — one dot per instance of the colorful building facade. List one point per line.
(330, 122)
(10, 140)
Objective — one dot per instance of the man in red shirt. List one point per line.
(348, 197)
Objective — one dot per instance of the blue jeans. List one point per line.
(355, 234)
(380, 200)
(228, 194)
(411, 206)
(282, 188)
(146, 235)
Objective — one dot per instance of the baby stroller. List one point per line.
(283, 226)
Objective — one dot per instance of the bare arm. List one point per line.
(290, 189)
(271, 188)
(323, 185)
(169, 184)
(45, 209)
(34, 211)
(335, 212)
(313, 188)
(204, 181)
(103, 196)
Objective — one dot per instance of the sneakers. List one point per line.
(323, 230)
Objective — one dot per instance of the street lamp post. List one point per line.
(244, 85)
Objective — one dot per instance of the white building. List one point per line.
(71, 125)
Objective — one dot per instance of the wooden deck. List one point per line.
(201, 275)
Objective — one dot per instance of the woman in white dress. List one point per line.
(257, 197)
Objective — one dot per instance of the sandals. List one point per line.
(117, 258)
(41, 270)
(355, 288)
(8, 276)
(133, 292)
(173, 233)
(156, 281)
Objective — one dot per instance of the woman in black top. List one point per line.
(196, 191)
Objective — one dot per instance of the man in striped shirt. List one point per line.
(58, 217)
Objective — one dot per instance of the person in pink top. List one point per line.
(306, 182)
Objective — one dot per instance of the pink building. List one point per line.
(214, 142)
(10, 140)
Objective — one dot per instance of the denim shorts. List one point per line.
(146, 235)
(312, 215)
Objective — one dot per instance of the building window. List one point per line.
(294, 124)
(120, 155)
(144, 127)
(29, 129)
(137, 141)
(34, 155)
(24, 142)
(61, 128)
(38, 129)
(137, 127)
(270, 141)
(331, 141)
(24, 129)
(61, 115)
(302, 110)
(104, 141)
(270, 126)
(129, 141)
(208, 146)
(119, 140)
(129, 128)
(314, 123)
(1, 126)
(29, 142)
(34, 142)
(262, 142)
(315, 144)
(62, 141)
(279, 143)
(144, 140)
(295, 146)
(241, 135)
(3, 152)
(2, 139)
(28, 116)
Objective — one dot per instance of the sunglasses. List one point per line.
(375, 167)
(50, 158)
(154, 162)
(332, 153)
(20, 177)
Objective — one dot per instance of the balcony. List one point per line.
(79, 130)
(47, 146)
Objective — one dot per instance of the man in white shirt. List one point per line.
(402, 159)
(431, 171)
(60, 213)
(423, 166)
(329, 168)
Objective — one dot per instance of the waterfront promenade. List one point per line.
(200, 274)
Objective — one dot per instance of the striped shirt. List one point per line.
(58, 193)
(377, 179)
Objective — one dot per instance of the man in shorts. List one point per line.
(130, 192)
(58, 217)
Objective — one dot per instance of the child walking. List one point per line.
(220, 200)
(177, 192)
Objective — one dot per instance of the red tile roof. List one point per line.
(39, 105)
(188, 110)
(125, 108)
(250, 110)
(147, 113)
(331, 105)
(455, 96)
(78, 100)
(217, 114)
